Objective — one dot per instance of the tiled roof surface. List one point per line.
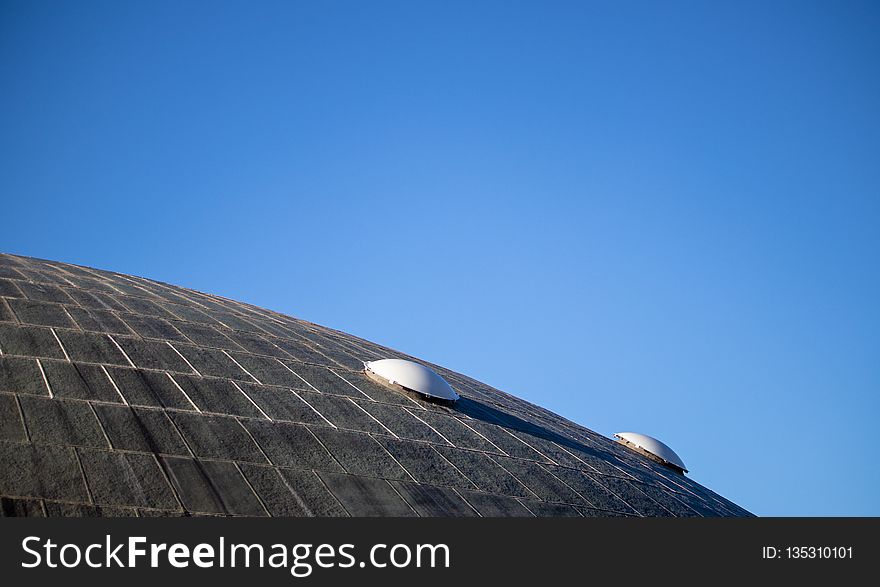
(122, 396)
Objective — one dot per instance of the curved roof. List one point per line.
(120, 395)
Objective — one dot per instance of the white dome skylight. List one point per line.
(411, 376)
(653, 447)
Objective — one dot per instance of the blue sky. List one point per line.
(659, 217)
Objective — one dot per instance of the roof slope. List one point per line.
(125, 396)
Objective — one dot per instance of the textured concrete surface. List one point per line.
(121, 396)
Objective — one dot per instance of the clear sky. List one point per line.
(658, 217)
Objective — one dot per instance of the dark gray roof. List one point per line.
(125, 396)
